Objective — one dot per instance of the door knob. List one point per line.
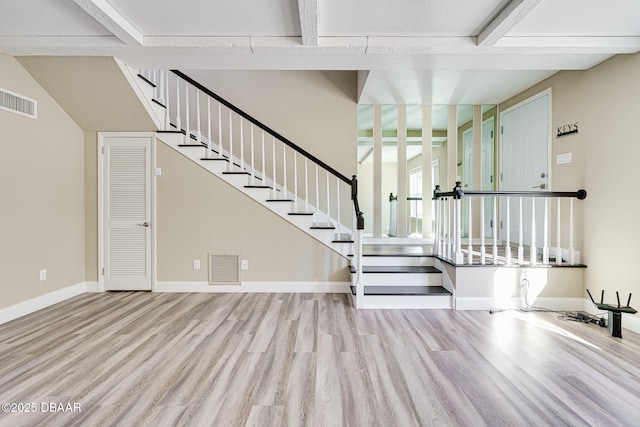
(541, 186)
(144, 224)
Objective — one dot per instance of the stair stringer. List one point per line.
(260, 196)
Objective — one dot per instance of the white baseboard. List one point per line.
(257, 287)
(32, 305)
(92, 287)
(489, 303)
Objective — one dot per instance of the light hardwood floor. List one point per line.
(137, 359)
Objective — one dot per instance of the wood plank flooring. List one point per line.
(145, 359)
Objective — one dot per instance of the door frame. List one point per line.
(101, 219)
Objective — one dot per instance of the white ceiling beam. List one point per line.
(112, 20)
(513, 13)
(308, 21)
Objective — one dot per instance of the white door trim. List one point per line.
(545, 92)
(101, 252)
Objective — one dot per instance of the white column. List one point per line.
(402, 217)
(427, 185)
(377, 170)
(359, 283)
(436, 237)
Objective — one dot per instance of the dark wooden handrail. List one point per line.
(459, 193)
(262, 126)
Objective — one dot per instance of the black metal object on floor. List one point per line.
(615, 312)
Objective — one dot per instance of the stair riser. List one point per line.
(401, 279)
(408, 301)
(397, 261)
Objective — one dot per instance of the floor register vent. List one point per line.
(224, 269)
(11, 101)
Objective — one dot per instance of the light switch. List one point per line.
(564, 158)
(196, 264)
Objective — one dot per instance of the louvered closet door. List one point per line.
(127, 203)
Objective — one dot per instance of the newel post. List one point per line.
(358, 243)
(458, 194)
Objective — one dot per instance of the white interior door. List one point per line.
(127, 213)
(526, 133)
(487, 158)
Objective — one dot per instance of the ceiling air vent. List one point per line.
(224, 269)
(18, 104)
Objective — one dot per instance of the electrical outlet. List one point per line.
(43, 275)
(196, 264)
(245, 264)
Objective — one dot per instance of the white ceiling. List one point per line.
(407, 51)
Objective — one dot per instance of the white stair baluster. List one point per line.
(220, 130)
(285, 192)
(545, 243)
(156, 89)
(241, 144)
(459, 257)
(470, 236)
(264, 177)
(558, 236)
(198, 128)
(230, 165)
(253, 169)
(187, 137)
(572, 251)
(338, 206)
(317, 214)
(483, 249)
(534, 251)
(178, 120)
(275, 174)
(495, 234)
(209, 141)
(306, 187)
(328, 202)
(167, 115)
(520, 247)
(295, 182)
(507, 231)
(161, 84)
(449, 229)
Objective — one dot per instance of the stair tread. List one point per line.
(159, 103)
(258, 186)
(323, 227)
(149, 82)
(342, 241)
(170, 131)
(402, 269)
(403, 290)
(214, 158)
(301, 213)
(236, 173)
(279, 200)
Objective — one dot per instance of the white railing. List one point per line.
(521, 227)
(271, 160)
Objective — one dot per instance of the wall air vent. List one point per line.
(224, 269)
(11, 101)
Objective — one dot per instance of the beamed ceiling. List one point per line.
(405, 51)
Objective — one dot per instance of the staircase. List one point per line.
(290, 182)
(401, 276)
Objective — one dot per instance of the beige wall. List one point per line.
(314, 109)
(197, 214)
(604, 101)
(42, 192)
